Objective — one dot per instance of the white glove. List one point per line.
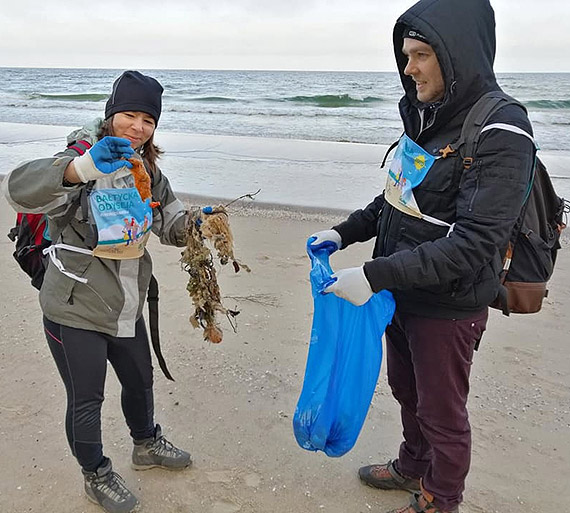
(103, 158)
(351, 284)
(321, 238)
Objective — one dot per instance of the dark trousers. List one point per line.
(429, 361)
(81, 358)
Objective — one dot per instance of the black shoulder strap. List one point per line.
(77, 202)
(475, 121)
(388, 151)
(152, 299)
(66, 218)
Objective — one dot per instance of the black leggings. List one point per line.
(81, 358)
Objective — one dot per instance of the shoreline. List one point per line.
(310, 175)
(337, 177)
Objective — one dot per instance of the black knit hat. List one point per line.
(412, 33)
(135, 92)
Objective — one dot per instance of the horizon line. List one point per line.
(260, 70)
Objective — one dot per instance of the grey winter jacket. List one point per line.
(112, 300)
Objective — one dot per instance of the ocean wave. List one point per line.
(212, 99)
(548, 104)
(83, 97)
(266, 114)
(333, 100)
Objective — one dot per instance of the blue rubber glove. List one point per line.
(205, 210)
(103, 158)
(326, 238)
(351, 284)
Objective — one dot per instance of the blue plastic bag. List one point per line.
(345, 354)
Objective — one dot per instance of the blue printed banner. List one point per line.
(123, 223)
(409, 167)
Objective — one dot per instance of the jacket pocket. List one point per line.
(414, 231)
(532, 259)
(58, 285)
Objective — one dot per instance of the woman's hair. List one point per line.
(150, 152)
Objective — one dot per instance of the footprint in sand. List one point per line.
(219, 476)
(225, 506)
(252, 480)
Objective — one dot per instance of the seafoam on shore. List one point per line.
(290, 174)
(318, 175)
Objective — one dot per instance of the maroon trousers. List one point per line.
(429, 361)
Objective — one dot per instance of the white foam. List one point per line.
(329, 175)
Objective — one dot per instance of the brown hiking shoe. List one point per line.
(422, 502)
(386, 477)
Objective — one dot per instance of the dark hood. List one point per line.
(462, 34)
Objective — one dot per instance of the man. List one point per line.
(438, 243)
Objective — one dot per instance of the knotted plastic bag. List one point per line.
(345, 354)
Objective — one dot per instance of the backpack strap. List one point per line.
(67, 218)
(79, 146)
(474, 125)
(388, 151)
(152, 299)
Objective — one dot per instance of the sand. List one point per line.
(232, 404)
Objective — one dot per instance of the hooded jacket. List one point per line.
(112, 300)
(432, 272)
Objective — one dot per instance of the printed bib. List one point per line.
(410, 166)
(408, 169)
(123, 223)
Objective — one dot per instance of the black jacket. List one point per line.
(430, 272)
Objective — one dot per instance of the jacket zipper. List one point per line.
(474, 195)
(70, 300)
(388, 222)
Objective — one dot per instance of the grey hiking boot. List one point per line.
(107, 488)
(159, 452)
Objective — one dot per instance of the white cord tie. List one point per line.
(51, 251)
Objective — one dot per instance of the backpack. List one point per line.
(530, 255)
(31, 234)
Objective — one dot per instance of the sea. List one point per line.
(271, 109)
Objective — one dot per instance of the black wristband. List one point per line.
(67, 183)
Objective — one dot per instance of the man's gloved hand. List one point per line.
(324, 238)
(351, 284)
(103, 158)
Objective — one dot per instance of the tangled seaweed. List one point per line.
(212, 224)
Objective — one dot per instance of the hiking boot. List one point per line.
(107, 488)
(421, 502)
(159, 452)
(386, 477)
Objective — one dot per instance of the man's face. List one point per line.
(424, 69)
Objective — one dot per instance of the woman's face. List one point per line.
(137, 127)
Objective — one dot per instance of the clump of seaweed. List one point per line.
(211, 224)
(142, 180)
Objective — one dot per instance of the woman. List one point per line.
(94, 288)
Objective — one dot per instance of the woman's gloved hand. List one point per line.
(325, 238)
(351, 284)
(103, 158)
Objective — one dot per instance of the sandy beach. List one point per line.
(232, 404)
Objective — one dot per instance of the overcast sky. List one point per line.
(532, 35)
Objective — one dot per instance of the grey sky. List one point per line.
(532, 35)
